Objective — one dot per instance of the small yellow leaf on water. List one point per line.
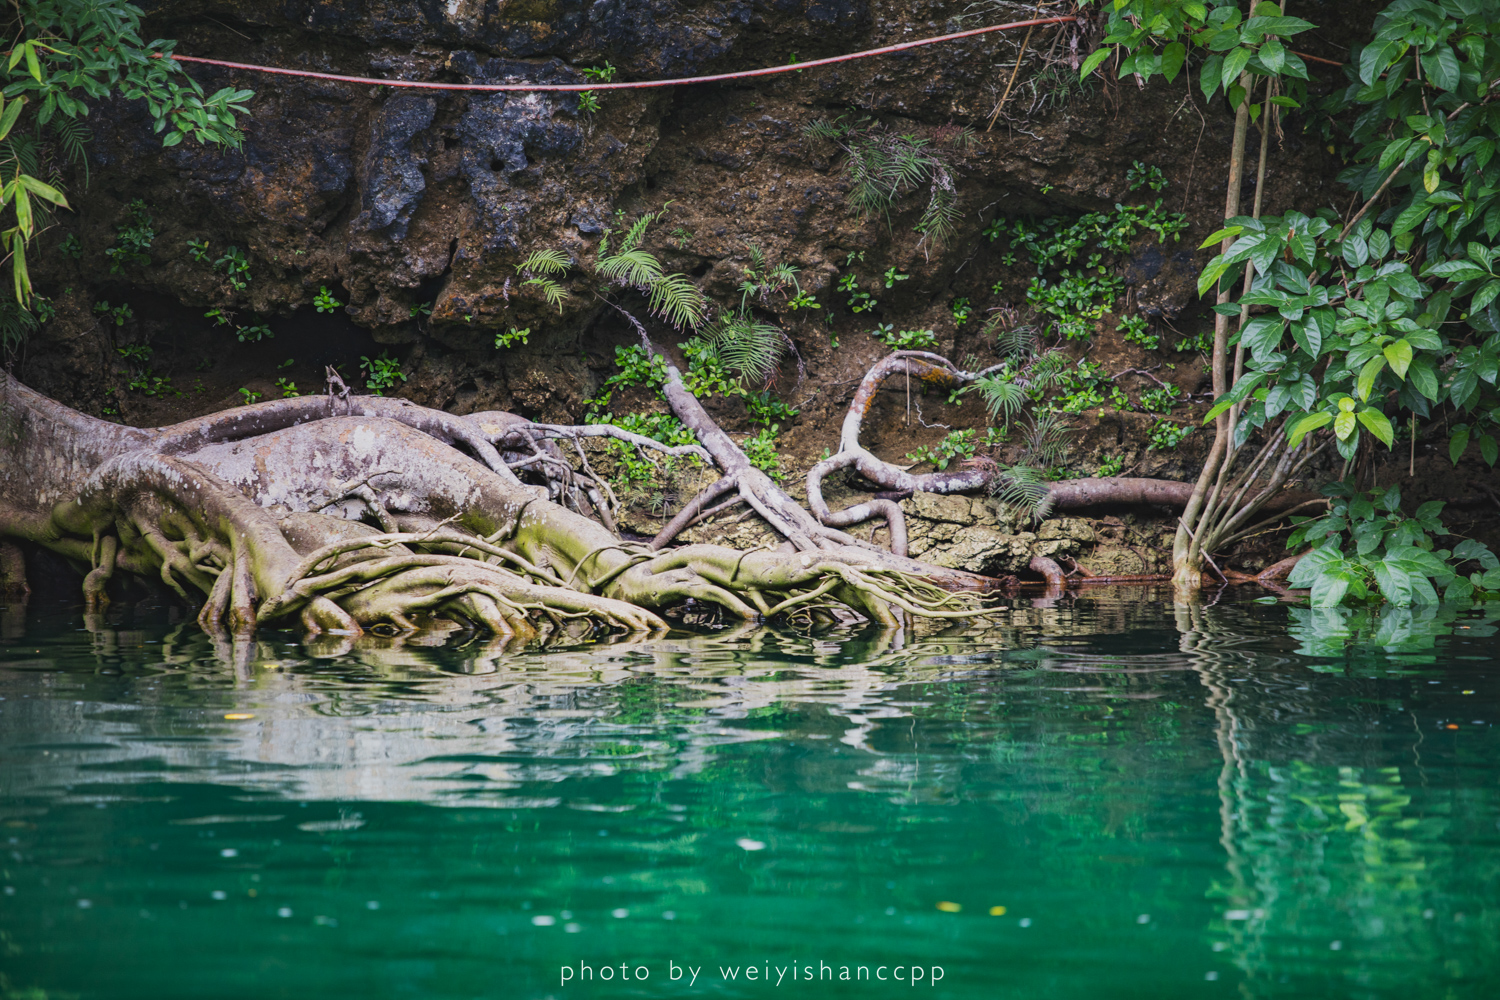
(240, 715)
(997, 911)
(948, 907)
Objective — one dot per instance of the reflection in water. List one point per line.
(1120, 797)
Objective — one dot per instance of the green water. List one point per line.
(1249, 800)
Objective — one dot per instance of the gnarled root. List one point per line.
(245, 508)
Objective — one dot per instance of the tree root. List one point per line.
(285, 513)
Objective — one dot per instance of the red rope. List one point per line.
(766, 71)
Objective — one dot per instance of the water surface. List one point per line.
(1103, 798)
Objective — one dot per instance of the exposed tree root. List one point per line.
(344, 515)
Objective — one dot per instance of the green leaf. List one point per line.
(1299, 428)
(1399, 354)
(1234, 65)
(1488, 449)
(1411, 217)
(1262, 334)
(1441, 68)
(1423, 375)
(1092, 62)
(42, 190)
(1329, 589)
(1367, 376)
(1228, 232)
(1172, 58)
(1273, 55)
(1377, 423)
(32, 65)
(1208, 76)
(1308, 336)
(1458, 442)
(1484, 296)
(1344, 425)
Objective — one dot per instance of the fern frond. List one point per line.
(636, 268)
(747, 347)
(636, 232)
(72, 137)
(554, 292)
(1002, 396)
(1018, 342)
(546, 262)
(677, 300)
(1047, 439)
(1023, 490)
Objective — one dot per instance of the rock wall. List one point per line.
(414, 208)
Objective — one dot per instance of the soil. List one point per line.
(413, 212)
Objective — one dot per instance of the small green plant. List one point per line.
(955, 445)
(1391, 556)
(381, 373)
(961, 311)
(766, 410)
(133, 238)
(1135, 330)
(1201, 341)
(540, 269)
(250, 396)
(198, 250)
(760, 449)
(588, 101)
(512, 337)
(221, 317)
(1111, 466)
(802, 300)
(905, 340)
(1077, 301)
(137, 353)
(324, 301)
(1166, 435)
(119, 314)
(1087, 386)
(236, 267)
(682, 238)
(287, 363)
(253, 334)
(1139, 175)
(288, 388)
(1161, 400)
(859, 301)
(892, 276)
(421, 309)
(44, 308)
(70, 247)
(149, 384)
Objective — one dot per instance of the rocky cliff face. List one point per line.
(413, 208)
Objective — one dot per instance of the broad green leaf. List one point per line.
(1399, 354)
(1377, 423)
(1343, 425)
(1092, 62)
(1485, 295)
(1236, 394)
(1308, 336)
(1208, 76)
(1456, 270)
(1228, 232)
(1262, 334)
(1367, 376)
(1299, 428)
(1423, 376)
(1441, 68)
(1234, 65)
(1411, 217)
(1328, 590)
(1172, 58)
(1488, 449)
(1458, 442)
(1273, 55)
